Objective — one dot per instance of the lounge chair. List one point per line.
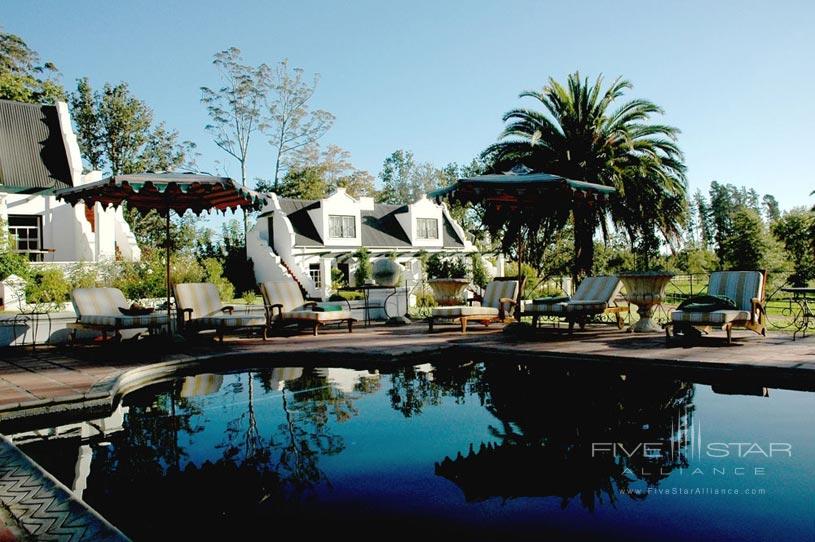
(200, 308)
(595, 296)
(98, 309)
(746, 288)
(495, 306)
(284, 302)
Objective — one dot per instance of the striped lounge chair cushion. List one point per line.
(463, 310)
(715, 317)
(545, 308)
(310, 315)
(586, 306)
(229, 320)
(125, 322)
(100, 307)
(497, 290)
(740, 286)
(596, 290)
(288, 294)
(201, 297)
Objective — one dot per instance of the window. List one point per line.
(26, 235)
(427, 228)
(342, 227)
(315, 274)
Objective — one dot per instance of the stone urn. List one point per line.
(386, 272)
(448, 291)
(646, 290)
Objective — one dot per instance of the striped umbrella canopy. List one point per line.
(521, 195)
(165, 192)
(518, 188)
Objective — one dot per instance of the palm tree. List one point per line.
(585, 135)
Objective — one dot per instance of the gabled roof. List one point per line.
(380, 228)
(450, 238)
(305, 232)
(33, 157)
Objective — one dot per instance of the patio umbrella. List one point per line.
(165, 192)
(509, 195)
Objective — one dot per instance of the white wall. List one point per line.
(65, 228)
(339, 203)
(423, 208)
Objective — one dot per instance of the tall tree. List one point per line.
(746, 245)
(115, 131)
(771, 208)
(288, 119)
(23, 77)
(306, 183)
(313, 172)
(235, 108)
(404, 180)
(584, 134)
(88, 125)
(794, 229)
(396, 178)
(703, 217)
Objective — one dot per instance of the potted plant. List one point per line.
(447, 276)
(387, 271)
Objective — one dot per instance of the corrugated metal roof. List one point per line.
(380, 228)
(33, 157)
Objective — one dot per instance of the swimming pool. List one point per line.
(477, 450)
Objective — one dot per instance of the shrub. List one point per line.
(425, 299)
(350, 296)
(363, 271)
(213, 272)
(338, 278)
(530, 284)
(143, 279)
(13, 264)
(185, 268)
(249, 297)
(441, 267)
(480, 275)
(83, 275)
(47, 290)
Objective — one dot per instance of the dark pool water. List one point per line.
(492, 451)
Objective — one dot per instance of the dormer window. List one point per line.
(427, 228)
(342, 226)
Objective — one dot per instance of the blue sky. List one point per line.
(435, 77)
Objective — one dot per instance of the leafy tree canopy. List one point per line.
(23, 77)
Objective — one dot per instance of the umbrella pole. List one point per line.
(167, 239)
(520, 276)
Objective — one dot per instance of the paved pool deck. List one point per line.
(53, 380)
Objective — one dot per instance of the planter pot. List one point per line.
(646, 290)
(387, 272)
(448, 291)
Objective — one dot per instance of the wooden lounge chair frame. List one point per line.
(756, 323)
(275, 315)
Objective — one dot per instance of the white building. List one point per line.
(38, 155)
(305, 239)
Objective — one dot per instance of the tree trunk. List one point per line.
(244, 211)
(583, 240)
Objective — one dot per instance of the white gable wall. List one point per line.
(424, 208)
(341, 204)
